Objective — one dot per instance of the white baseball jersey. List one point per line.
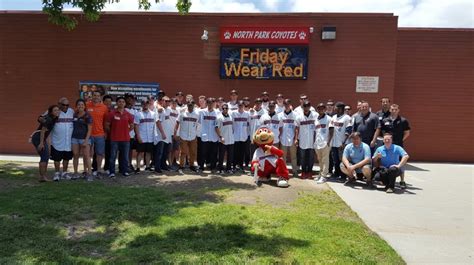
(241, 125)
(260, 156)
(322, 132)
(167, 125)
(299, 110)
(306, 125)
(208, 121)
(265, 105)
(198, 111)
(288, 128)
(174, 113)
(341, 125)
(233, 106)
(133, 112)
(62, 131)
(160, 116)
(273, 123)
(225, 125)
(146, 122)
(188, 124)
(255, 120)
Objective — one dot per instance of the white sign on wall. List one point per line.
(367, 84)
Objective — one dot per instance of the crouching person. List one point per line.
(356, 160)
(389, 160)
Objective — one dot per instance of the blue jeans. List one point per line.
(158, 157)
(123, 148)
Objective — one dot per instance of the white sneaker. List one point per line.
(66, 176)
(321, 180)
(111, 175)
(282, 183)
(57, 176)
(94, 173)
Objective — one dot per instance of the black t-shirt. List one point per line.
(366, 126)
(80, 125)
(396, 127)
(382, 115)
(48, 122)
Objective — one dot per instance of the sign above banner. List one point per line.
(273, 35)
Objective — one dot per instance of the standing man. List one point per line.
(356, 160)
(265, 100)
(399, 127)
(174, 152)
(305, 130)
(209, 138)
(119, 122)
(288, 136)
(168, 129)
(389, 160)
(130, 107)
(225, 132)
(241, 120)
(145, 122)
(367, 123)
(273, 121)
(234, 96)
(186, 130)
(98, 111)
(107, 100)
(324, 134)
(160, 138)
(280, 105)
(385, 111)
(342, 125)
(61, 136)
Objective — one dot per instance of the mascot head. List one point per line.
(263, 136)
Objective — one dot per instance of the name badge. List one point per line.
(117, 118)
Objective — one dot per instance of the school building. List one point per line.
(344, 57)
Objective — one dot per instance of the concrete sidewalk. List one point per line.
(431, 222)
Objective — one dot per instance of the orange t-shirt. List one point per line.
(98, 112)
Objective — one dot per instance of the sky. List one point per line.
(411, 13)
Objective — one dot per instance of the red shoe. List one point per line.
(303, 175)
(310, 175)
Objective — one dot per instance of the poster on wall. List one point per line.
(367, 84)
(116, 89)
(264, 62)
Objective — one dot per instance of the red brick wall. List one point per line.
(434, 88)
(41, 62)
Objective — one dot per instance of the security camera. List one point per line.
(204, 36)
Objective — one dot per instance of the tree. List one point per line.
(92, 9)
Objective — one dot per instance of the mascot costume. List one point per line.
(267, 159)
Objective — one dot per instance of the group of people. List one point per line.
(174, 133)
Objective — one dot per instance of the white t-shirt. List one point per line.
(62, 131)
(255, 120)
(322, 132)
(208, 120)
(146, 122)
(273, 123)
(340, 125)
(225, 125)
(241, 125)
(288, 128)
(188, 124)
(307, 127)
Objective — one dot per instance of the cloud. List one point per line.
(411, 13)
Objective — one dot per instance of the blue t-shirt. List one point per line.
(390, 156)
(355, 154)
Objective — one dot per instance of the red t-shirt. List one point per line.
(119, 125)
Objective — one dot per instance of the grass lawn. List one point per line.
(99, 222)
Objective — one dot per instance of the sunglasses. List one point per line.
(167, 100)
(225, 108)
(64, 105)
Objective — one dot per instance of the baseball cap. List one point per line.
(265, 93)
(258, 100)
(321, 106)
(279, 96)
(271, 103)
(340, 105)
(179, 93)
(233, 91)
(303, 96)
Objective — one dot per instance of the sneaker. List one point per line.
(90, 178)
(158, 171)
(180, 171)
(370, 185)
(57, 176)
(148, 169)
(403, 185)
(199, 171)
(75, 176)
(111, 175)
(349, 181)
(321, 180)
(94, 173)
(137, 170)
(126, 174)
(220, 172)
(106, 172)
(283, 183)
(389, 190)
(66, 176)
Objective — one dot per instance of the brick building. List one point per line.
(428, 72)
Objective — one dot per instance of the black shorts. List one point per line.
(145, 147)
(57, 156)
(133, 144)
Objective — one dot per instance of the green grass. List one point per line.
(120, 224)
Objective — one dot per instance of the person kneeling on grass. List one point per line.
(388, 163)
(356, 160)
